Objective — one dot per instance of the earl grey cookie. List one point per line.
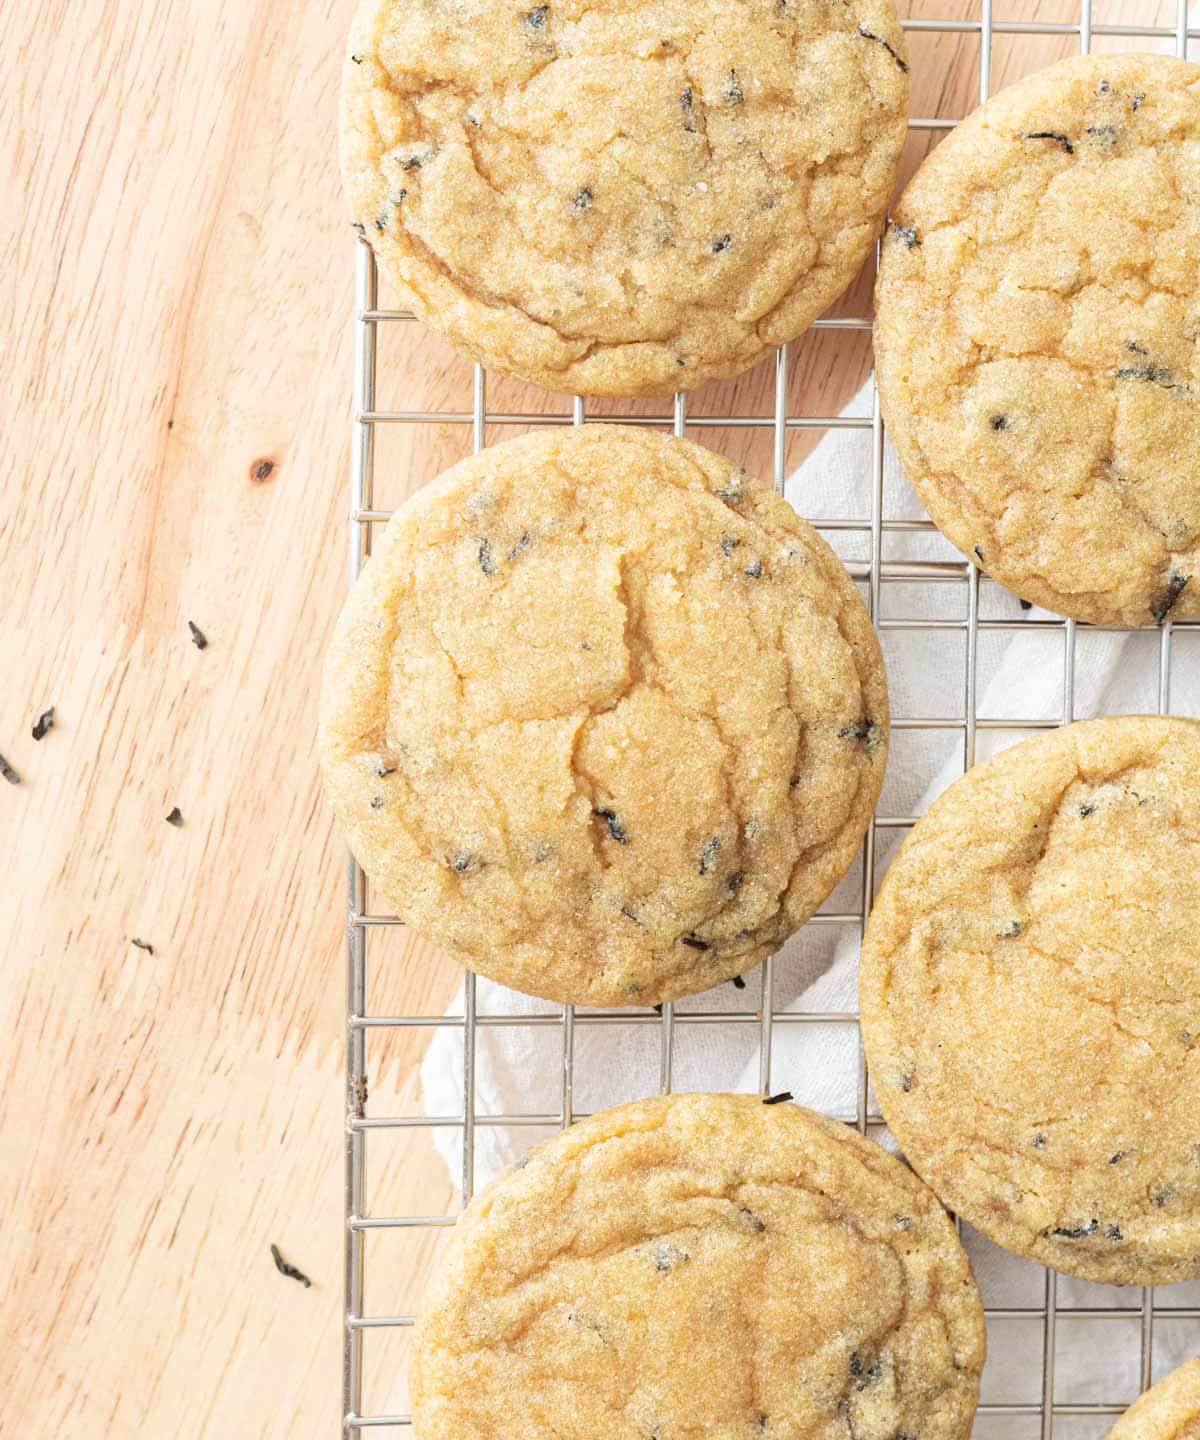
(1168, 1411)
(1036, 342)
(603, 716)
(622, 197)
(1030, 988)
(701, 1265)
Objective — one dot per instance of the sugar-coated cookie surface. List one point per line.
(1036, 342)
(701, 1265)
(1030, 988)
(603, 716)
(622, 197)
(1168, 1411)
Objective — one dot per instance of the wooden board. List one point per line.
(177, 287)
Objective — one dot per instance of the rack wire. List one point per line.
(1041, 1416)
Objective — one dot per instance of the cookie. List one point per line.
(1030, 988)
(701, 1265)
(622, 197)
(1036, 339)
(603, 716)
(1170, 1411)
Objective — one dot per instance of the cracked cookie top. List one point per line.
(1169, 1411)
(702, 1265)
(603, 716)
(622, 197)
(1037, 332)
(1030, 989)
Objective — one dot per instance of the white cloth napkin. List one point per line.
(1020, 676)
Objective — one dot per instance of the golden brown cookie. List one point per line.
(1036, 342)
(1030, 988)
(1170, 1411)
(701, 1265)
(603, 716)
(622, 197)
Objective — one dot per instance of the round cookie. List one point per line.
(1030, 990)
(1169, 1411)
(701, 1265)
(1036, 337)
(622, 197)
(603, 716)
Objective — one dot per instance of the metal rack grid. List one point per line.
(368, 316)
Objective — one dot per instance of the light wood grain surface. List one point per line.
(176, 292)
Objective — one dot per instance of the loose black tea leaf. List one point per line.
(907, 235)
(536, 19)
(142, 945)
(1175, 588)
(1074, 1232)
(615, 828)
(44, 722)
(891, 49)
(777, 1099)
(733, 89)
(865, 730)
(199, 638)
(290, 1271)
(486, 563)
(694, 942)
(870, 1377)
(722, 242)
(754, 570)
(999, 422)
(175, 817)
(8, 772)
(1059, 139)
(1151, 374)
(708, 856)
(582, 201)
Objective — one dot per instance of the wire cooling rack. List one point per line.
(1048, 1414)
